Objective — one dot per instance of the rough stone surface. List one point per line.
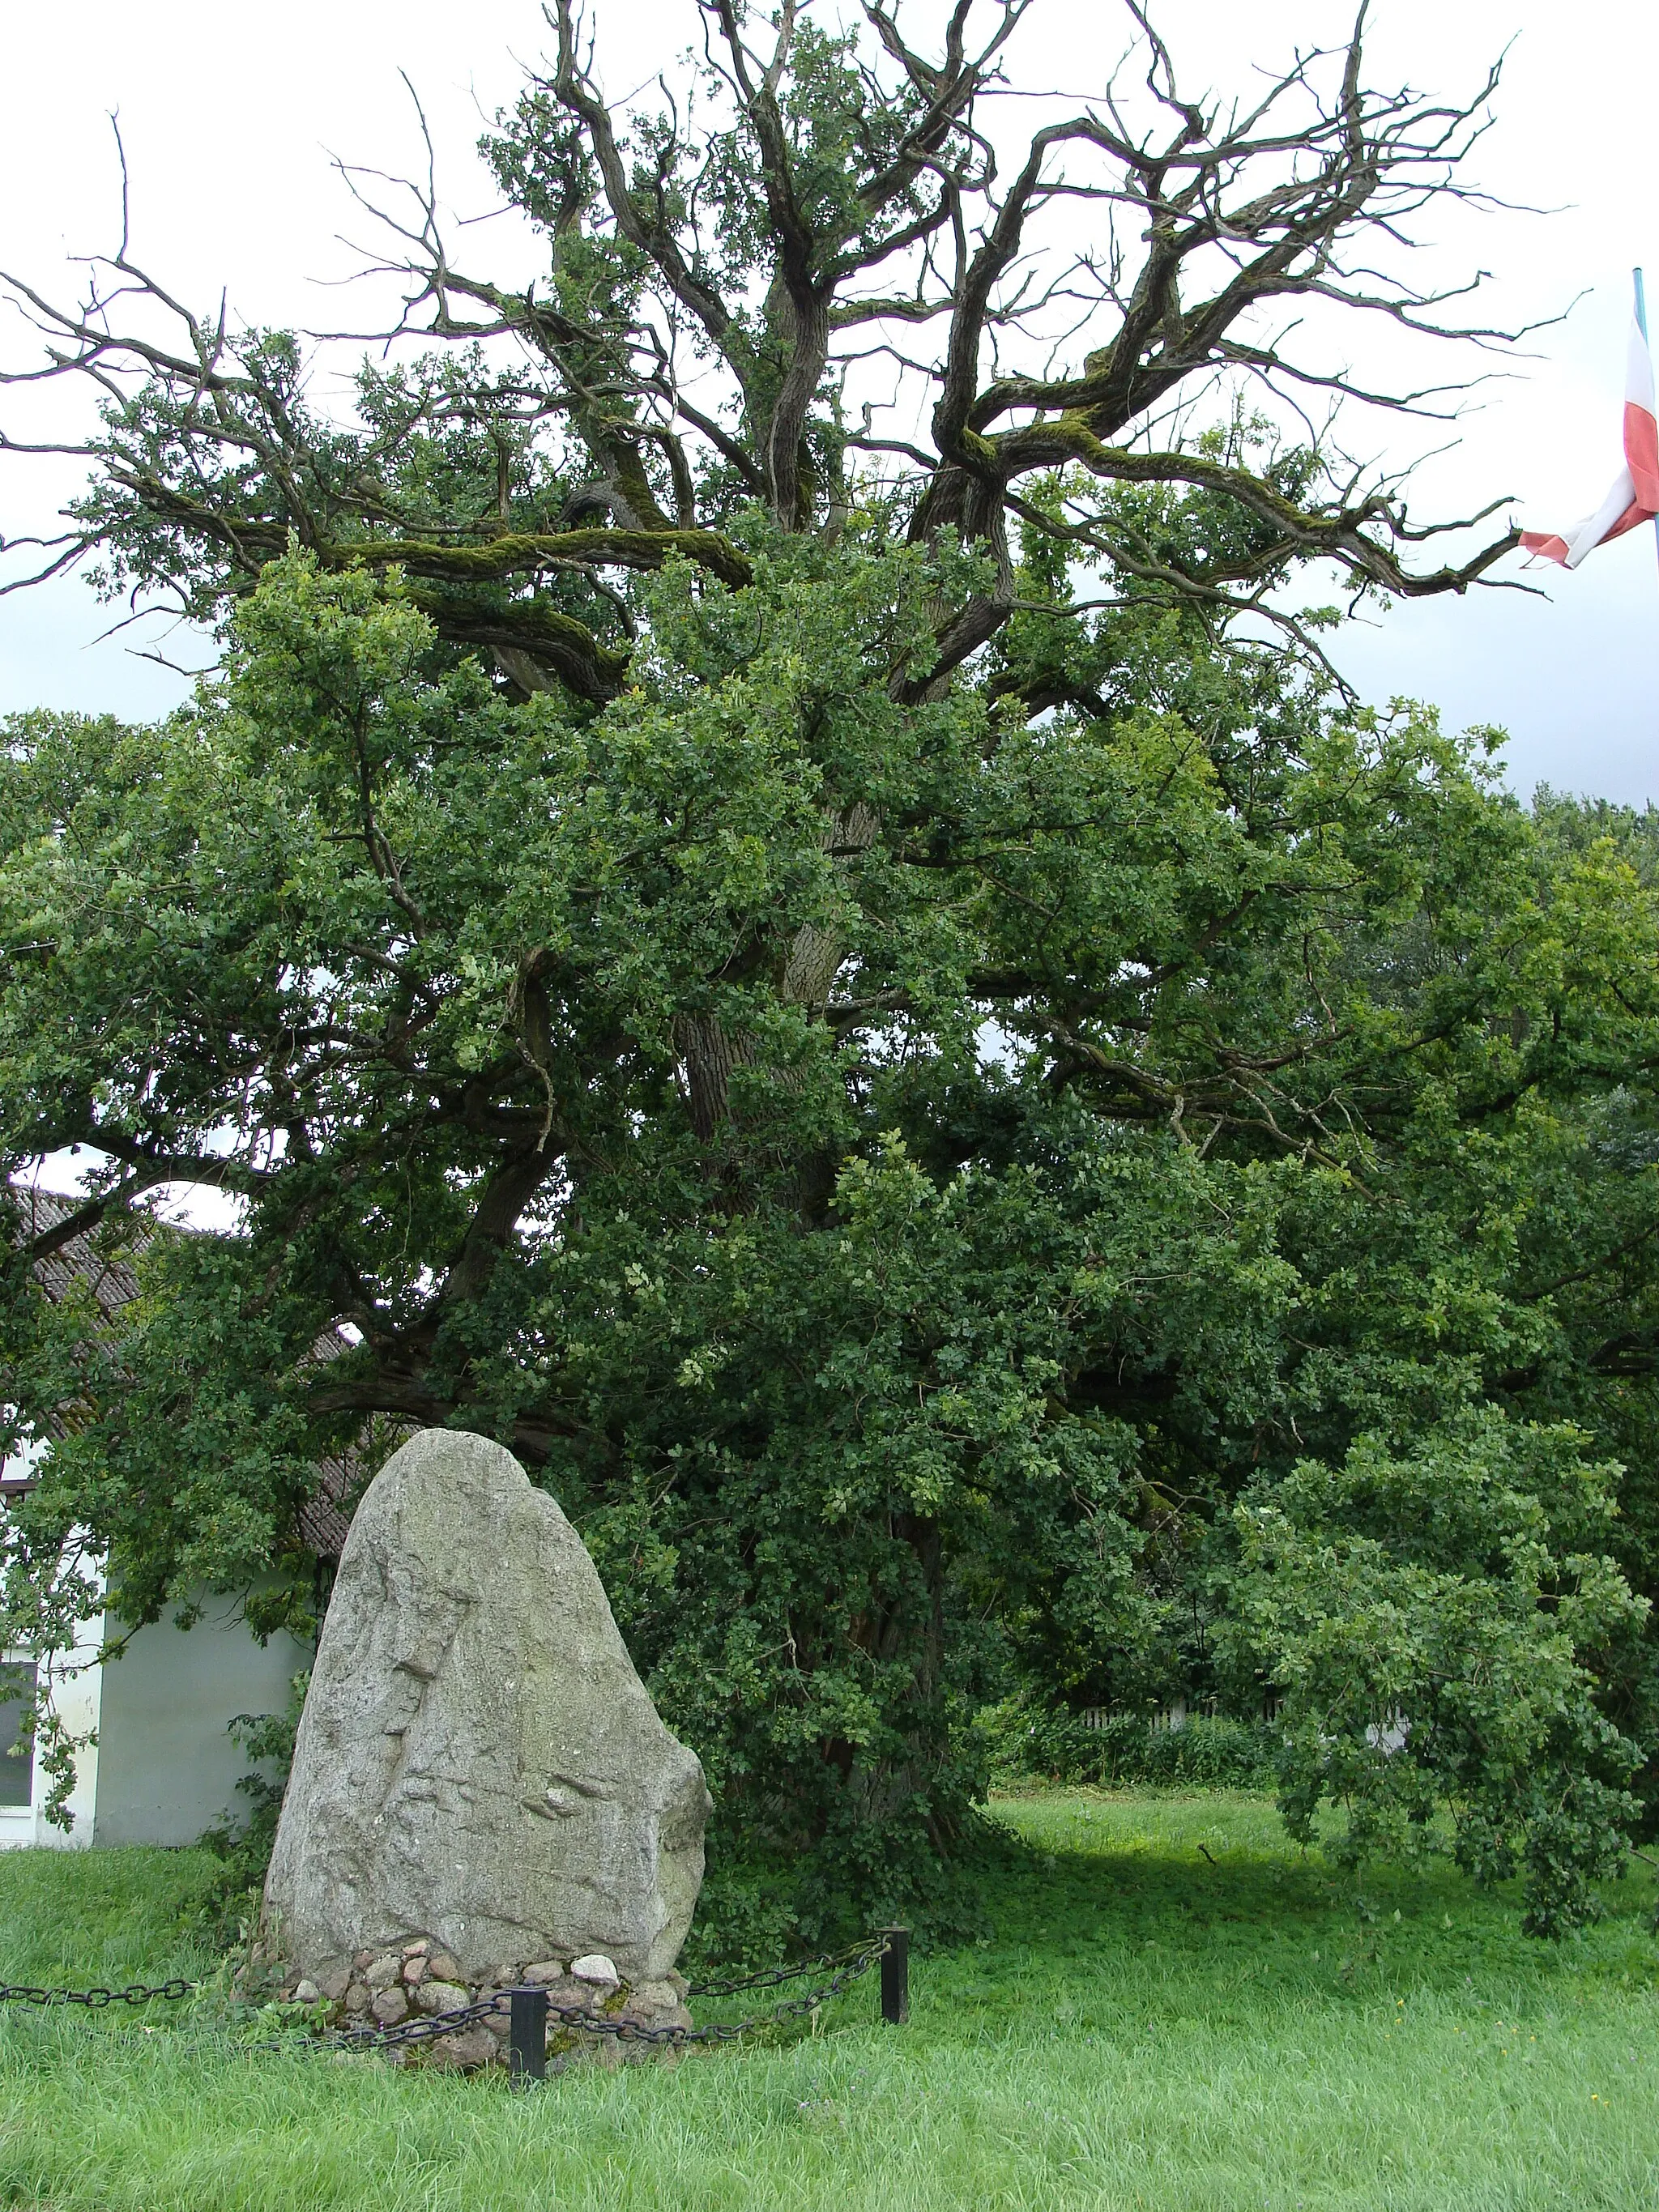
(442, 1996)
(472, 2047)
(478, 1766)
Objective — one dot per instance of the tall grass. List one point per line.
(1176, 2009)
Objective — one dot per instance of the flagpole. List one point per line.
(1642, 326)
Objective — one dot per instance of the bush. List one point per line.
(1026, 1741)
(231, 1903)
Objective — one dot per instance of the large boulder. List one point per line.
(478, 1766)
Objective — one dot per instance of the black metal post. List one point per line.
(896, 1977)
(526, 2036)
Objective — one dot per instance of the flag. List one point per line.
(1634, 497)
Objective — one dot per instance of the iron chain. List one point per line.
(419, 2030)
(136, 1993)
(855, 1965)
(850, 1966)
(832, 1961)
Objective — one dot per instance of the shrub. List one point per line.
(1024, 1741)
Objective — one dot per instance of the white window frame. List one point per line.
(17, 1822)
(75, 1687)
(74, 1682)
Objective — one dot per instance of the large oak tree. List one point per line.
(771, 900)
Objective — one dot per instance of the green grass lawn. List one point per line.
(1147, 2027)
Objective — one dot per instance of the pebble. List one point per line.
(656, 1997)
(595, 1967)
(442, 1996)
(470, 2047)
(415, 1978)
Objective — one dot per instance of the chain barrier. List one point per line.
(829, 1961)
(848, 1966)
(857, 1964)
(96, 2000)
(852, 1966)
(420, 2030)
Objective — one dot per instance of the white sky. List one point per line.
(230, 114)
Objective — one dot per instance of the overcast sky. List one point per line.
(230, 114)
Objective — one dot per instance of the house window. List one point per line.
(16, 1768)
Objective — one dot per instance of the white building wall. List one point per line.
(157, 1763)
(168, 1764)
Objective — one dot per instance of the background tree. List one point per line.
(862, 999)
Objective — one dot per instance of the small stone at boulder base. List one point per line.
(478, 1759)
(418, 1949)
(469, 2046)
(415, 1972)
(334, 1985)
(385, 1970)
(390, 2007)
(442, 1996)
(596, 1967)
(307, 1993)
(545, 1970)
(655, 1996)
(358, 1997)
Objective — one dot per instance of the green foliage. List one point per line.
(1359, 1578)
(987, 1133)
(1026, 1743)
(1154, 1201)
(243, 1846)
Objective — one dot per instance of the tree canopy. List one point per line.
(863, 997)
